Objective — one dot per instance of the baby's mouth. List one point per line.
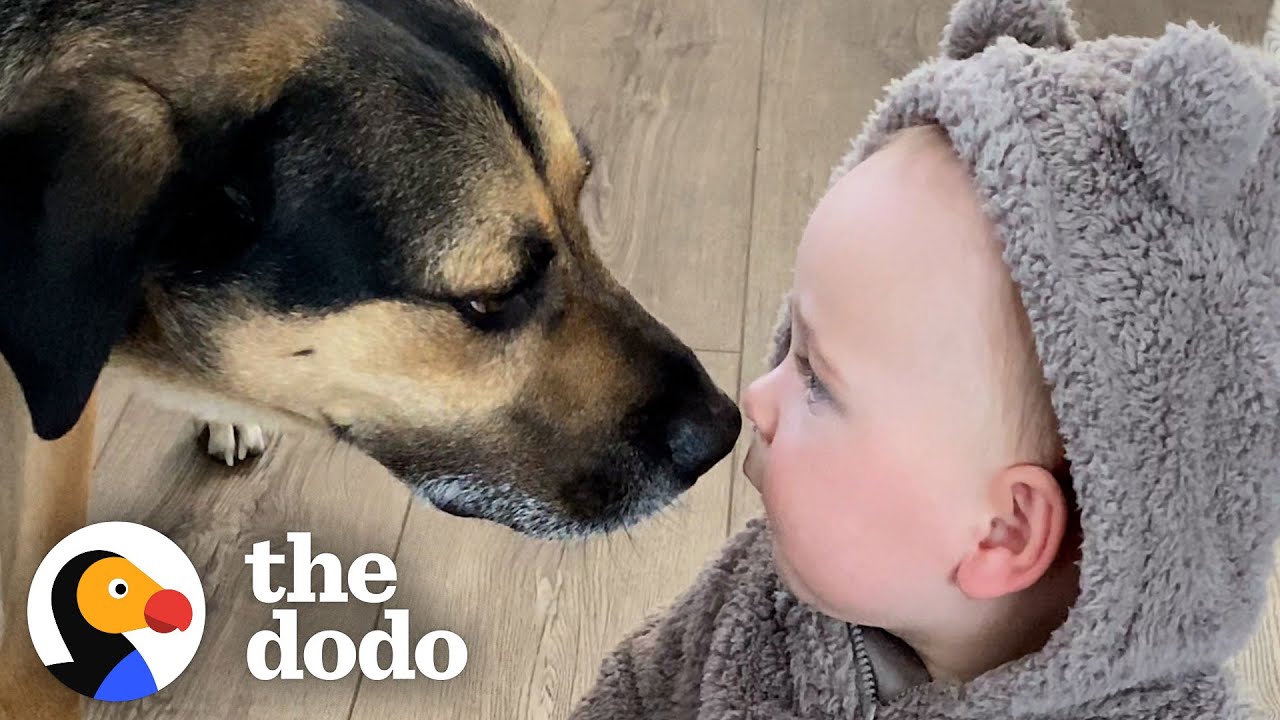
(750, 465)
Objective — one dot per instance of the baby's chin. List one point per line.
(791, 580)
(795, 585)
(787, 574)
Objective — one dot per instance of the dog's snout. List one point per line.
(701, 434)
(689, 424)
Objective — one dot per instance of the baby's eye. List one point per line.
(815, 391)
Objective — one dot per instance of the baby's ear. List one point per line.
(1028, 523)
(1198, 117)
(975, 24)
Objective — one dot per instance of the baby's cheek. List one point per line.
(850, 531)
(811, 526)
(812, 492)
(792, 495)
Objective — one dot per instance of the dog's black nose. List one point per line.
(685, 426)
(701, 434)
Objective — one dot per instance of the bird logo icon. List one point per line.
(116, 611)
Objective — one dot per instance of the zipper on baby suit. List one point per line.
(864, 675)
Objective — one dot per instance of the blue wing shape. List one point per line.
(130, 679)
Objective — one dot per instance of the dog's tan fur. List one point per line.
(370, 365)
(224, 58)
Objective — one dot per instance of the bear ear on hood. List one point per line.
(975, 24)
(1198, 118)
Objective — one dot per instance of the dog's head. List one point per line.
(361, 213)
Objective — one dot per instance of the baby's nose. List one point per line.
(756, 406)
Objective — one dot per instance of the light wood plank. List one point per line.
(825, 64)
(114, 396)
(539, 616)
(1241, 20)
(153, 472)
(666, 92)
(1259, 663)
(524, 20)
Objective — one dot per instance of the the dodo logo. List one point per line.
(116, 611)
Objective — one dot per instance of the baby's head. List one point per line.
(911, 485)
(906, 447)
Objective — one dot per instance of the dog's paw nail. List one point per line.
(255, 442)
(232, 443)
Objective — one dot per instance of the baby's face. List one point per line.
(877, 432)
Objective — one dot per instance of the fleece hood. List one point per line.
(1135, 186)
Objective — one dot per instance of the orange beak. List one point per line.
(168, 610)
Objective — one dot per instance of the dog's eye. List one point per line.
(496, 313)
(487, 306)
(513, 306)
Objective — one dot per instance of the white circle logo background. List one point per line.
(154, 554)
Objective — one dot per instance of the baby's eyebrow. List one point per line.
(811, 341)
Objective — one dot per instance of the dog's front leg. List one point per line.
(44, 494)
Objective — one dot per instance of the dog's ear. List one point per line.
(80, 166)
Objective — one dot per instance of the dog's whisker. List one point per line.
(631, 539)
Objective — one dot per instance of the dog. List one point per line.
(361, 215)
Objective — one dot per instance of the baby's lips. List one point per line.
(168, 610)
(750, 465)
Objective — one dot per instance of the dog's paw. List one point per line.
(233, 442)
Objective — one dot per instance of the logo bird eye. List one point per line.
(118, 588)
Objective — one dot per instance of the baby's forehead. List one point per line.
(913, 197)
(903, 236)
(922, 143)
(914, 163)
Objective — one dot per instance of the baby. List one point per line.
(1019, 450)
(907, 333)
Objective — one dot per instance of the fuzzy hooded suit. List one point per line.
(1135, 186)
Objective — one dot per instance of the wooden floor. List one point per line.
(716, 124)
